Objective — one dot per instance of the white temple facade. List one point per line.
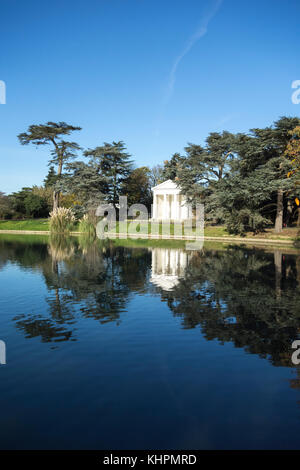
(168, 203)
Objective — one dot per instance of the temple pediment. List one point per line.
(168, 185)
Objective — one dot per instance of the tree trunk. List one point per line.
(279, 212)
(278, 272)
(55, 200)
(55, 192)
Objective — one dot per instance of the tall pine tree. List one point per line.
(115, 165)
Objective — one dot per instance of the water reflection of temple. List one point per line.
(168, 266)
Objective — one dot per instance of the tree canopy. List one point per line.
(115, 165)
(62, 151)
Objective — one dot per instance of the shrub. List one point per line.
(245, 220)
(30, 203)
(6, 210)
(62, 220)
(88, 224)
(35, 206)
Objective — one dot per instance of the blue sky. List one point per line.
(156, 74)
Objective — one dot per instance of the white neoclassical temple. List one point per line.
(168, 203)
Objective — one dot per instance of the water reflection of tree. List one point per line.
(84, 278)
(246, 296)
(243, 296)
(27, 253)
(100, 278)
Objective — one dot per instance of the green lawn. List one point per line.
(156, 228)
(145, 227)
(43, 225)
(30, 224)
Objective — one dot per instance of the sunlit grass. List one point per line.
(30, 224)
(149, 228)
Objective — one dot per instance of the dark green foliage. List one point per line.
(241, 179)
(18, 201)
(201, 172)
(51, 178)
(137, 187)
(36, 206)
(242, 201)
(87, 182)
(206, 166)
(115, 166)
(262, 187)
(27, 204)
(6, 209)
(172, 166)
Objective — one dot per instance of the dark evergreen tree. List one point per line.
(26, 203)
(51, 178)
(201, 173)
(87, 182)
(115, 165)
(172, 166)
(264, 164)
(6, 210)
(137, 187)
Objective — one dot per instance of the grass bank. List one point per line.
(42, 225)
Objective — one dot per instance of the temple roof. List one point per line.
(166, 185)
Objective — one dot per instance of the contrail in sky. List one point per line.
(201, 31)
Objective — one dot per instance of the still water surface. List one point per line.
(119, 347)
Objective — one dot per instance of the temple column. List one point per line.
(154, 215)
(165, 207)
(176, 203)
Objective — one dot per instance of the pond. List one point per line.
(120, 345)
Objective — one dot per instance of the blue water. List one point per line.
(111, 347)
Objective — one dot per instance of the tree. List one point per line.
(137, 187)
(292, 152)
(51, 178)
(172, 166)
(87, 183)
(6, 210)
(62, 151)
(199, 175)
(115, 166)
(45, 193)
(18, 201)
(293, 149)
(242, 200)
(27, 203)
(263, 150)
(35, 206)
(156, 175)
